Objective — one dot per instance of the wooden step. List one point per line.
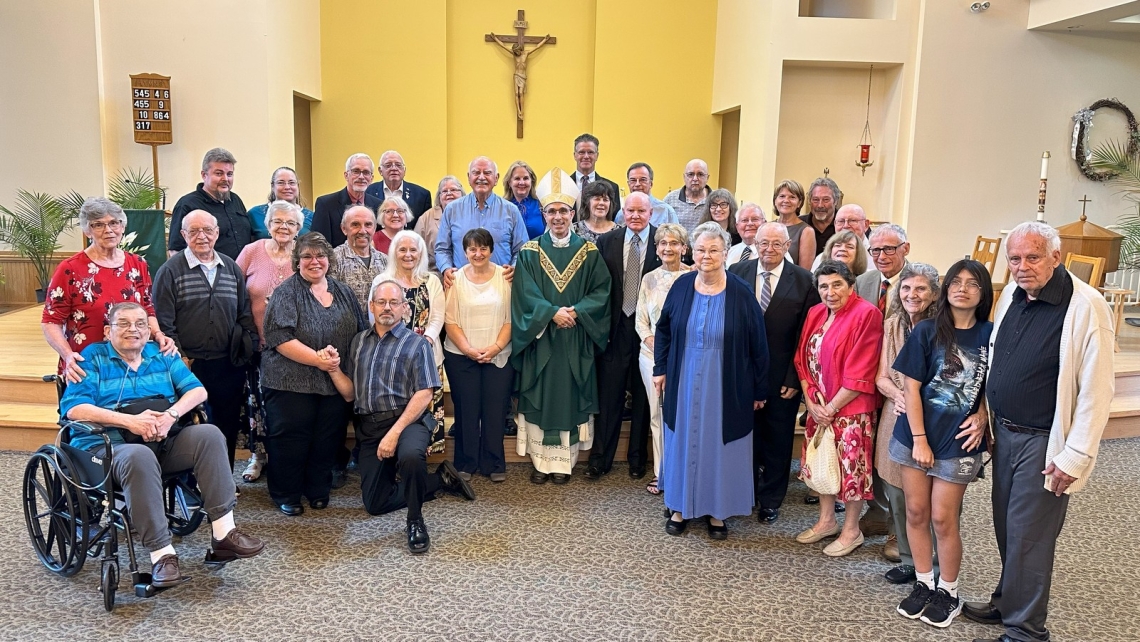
(26, 389)
(1124, 416)
(27, 426)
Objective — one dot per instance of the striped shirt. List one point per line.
(387, 370)
(110, 383)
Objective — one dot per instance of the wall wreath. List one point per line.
(1082, 122)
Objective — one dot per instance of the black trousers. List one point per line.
(617, 373)
(481, 393)
(225, 385)
(303, 432)
(775, 433)
(390, 484)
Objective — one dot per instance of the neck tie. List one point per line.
(584, 181)
(766, 291)
(632, 276)
(883, 287)
(746, 254)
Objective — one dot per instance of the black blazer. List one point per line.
(615, 192)
(329, 211)
(417, 198)
(611, 245)
(794, 295)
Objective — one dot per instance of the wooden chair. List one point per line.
(986, 252)
(1089, 269)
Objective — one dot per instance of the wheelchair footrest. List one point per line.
(218, 559)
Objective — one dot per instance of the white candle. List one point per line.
(1045, 166)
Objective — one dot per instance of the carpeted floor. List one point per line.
(586, 561)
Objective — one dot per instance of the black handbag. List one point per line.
(157, 403)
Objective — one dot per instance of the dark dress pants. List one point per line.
(481, 393)
(775, 433)
(390, 484)
(303, 433)
(1027, 522)
(225, 385)
(617, 373)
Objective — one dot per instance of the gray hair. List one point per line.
(712, 228)
(494, 165)
(96, 208)
(1036, 228)
(775, 225)
(420, 273)
(442, 182)
(292, 209)
(348, 163)
(391, 152)
(836, 193)
(122, 307)
(751, 206)
(381, 279)
(186, 219)
(398, 202)
(217, 155)
(674, 230)
(354, 209)
(910, 271)
(890, 227)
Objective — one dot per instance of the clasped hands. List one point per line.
(483, 355)
(329, 359)
(565, 318)
(151, 425)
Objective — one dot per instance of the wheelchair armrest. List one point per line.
(85, 427)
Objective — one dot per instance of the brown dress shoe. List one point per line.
(165, 573)
(238, 544)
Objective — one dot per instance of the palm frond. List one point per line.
(71, 202)
(1113, 156)
(32, 228)
(133, 189)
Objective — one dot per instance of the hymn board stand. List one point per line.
(150, 108)
(518, 49)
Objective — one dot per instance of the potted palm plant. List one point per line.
(32, 228)
(1122, 162)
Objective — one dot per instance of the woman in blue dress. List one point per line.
(711, 369)
(283, 186)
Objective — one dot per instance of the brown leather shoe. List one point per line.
(165, 572)
(238, 543)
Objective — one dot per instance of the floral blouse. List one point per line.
(655, 287)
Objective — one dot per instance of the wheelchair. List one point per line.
(74, 511)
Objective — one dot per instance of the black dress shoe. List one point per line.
(981, 612)
(636, 472)
(418, 540)
(1001, 638)
(292, 510)
(901, 574)
(840, 507)
(767, 515)
(676, 528)
(593, 472)
(537, 477)
(339, 478)
(453, 483)
(718, 532)
(559, 478)
(512, 428)
(319, 504)
(811, 500)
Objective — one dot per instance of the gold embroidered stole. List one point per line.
(563, 278)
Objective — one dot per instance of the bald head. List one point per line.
(200, 230)
(851, 217)
(392, 169)
(696, 176)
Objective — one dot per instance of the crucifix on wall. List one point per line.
(517, 48)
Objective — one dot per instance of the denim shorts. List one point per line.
(958, 470)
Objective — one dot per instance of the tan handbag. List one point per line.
(820, 470)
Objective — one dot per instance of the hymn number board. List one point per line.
(150, 106)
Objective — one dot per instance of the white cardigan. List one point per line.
(1085, 383)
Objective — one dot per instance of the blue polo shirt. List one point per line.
(110, 382)
(498, 216)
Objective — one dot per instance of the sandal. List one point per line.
(252, 472)
(651, 487)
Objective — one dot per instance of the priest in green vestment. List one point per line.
(560, 319)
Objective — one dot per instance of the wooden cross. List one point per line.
(1084, 203)
(521, 53)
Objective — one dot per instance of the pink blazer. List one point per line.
(849, 356)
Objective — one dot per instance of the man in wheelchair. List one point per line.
(122, 371)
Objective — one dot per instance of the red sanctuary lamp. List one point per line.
(865, 142)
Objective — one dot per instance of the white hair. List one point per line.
(292, 209)
(751, 206)
(1036, 228)
(398, 202)
(348, 163)
(420, 273)
(775, 225)
(890, 227)
(186, 219)
(494, 165)
(711, 228)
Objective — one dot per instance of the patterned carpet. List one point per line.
(586, 561)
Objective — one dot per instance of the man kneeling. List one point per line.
(393, 379)
(128, 368)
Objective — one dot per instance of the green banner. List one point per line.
(146, 237)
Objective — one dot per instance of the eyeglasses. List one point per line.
(392, 303)
(764, 245)
(451, 190)
(201, 231)
(970, 286)
(279, 223)
(558, 212)
(638, 181)
(127, 325)
(99, 226)
(696, 175)
(389, 212)
(718, 206)
(585, 152)
(284, 183)
(356, 171)
(710, 252)
(889, 250)
(392, 165)
(314, 257)
(849, 221)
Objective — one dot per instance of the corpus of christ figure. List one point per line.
(516, 46)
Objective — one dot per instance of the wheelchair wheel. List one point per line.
(183, 506)
(55, 512)
(109, 583)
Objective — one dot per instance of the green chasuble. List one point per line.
(557, 384)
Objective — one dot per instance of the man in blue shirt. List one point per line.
(127, 368)
(481, 208)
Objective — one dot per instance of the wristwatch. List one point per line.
(174, 413)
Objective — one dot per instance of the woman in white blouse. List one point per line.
(408, 264)
(477, 347)
(672, 243)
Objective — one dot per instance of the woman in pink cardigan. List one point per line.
(837, 362)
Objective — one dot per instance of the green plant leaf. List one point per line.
(133, 189)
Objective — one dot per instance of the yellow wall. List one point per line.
(615, 72)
